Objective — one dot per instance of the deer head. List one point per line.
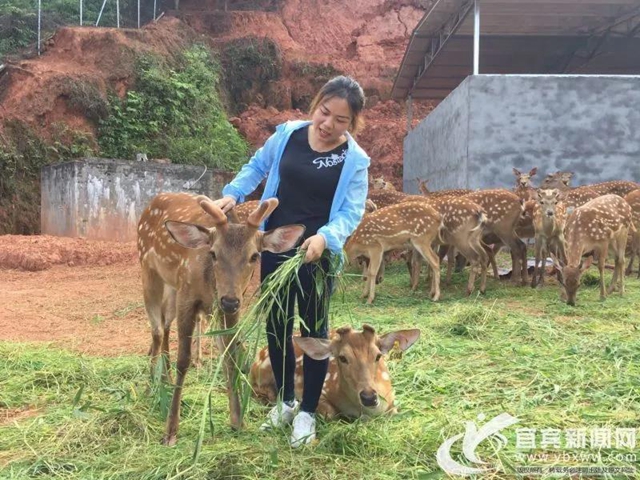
(234, 248)
(547, 200)
(523, 180)
(358, 354)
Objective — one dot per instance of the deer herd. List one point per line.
(197, 261)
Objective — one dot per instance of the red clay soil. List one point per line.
(94, 308)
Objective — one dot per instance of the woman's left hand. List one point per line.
(314, 246)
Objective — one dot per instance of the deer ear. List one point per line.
(516, 172)
(405, 339)
(559, 264)
(533, 171)
(316, 348)
(189, 235)
(282, 239)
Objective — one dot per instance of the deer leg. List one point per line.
(602, 258)
(186, 324)
(468, 252)
(451, 254)
(491, 254)
(153, 288)
(423, 246)
(538, 250)
(227, 344)
(543, 268)
(374, 265)
(380, 274)
(168, 315)
(415, 265)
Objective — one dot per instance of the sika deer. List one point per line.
(462, 232)
(598, 225)
(357, 382)
(451, 192)
(615, 187)
(503, 210)
(523, 187)
(380, 183)
(633, 199)
(398, 226)
(549, 217)
(187, 247)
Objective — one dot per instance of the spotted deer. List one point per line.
(633, 199)
(503, 211)
(379, 183)
(615, 187)
(462, 232)
(384, 198)
(576, 197)
(549, 218)
(524, 189)
(598, 225)
(559, 180)
(187, 248)
(414, 224)
(357, 383)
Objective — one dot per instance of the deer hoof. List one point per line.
(169, 440)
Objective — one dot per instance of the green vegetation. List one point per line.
(515, 350)
(19, 19)
(174, 111)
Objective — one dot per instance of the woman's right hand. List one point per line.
(225, 203)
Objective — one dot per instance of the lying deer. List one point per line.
(384, 198)
(357, 382)
(598, 225)
(413, 224)
(451, 192)
(615, 187)
(633, 199)
(549, 218)
(186, 245)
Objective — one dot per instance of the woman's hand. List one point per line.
(225, 203)
(314, 246)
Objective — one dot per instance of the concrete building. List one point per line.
(553, 84)
(103, 199)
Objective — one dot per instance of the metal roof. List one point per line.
(519, 36)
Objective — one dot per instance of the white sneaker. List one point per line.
(304, 429)
(280, 415)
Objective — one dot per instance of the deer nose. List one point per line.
(369, 399)
(229, 304)
(549, 213)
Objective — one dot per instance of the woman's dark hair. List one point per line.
(348, 89)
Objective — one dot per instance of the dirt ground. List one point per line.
(90, 308)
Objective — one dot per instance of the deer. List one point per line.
(524, 189)
(462, 232)
(633, 199)
(615, 187)
(503, 211)
(549, 218)
(380, 183)
(451, 192)
(243, 210)
(357, 383)
(559, 180)
(413, 224)
(187, 247)
(384, 198)
(598, 225)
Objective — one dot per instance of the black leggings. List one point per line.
(314, 311)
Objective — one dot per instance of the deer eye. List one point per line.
(255, 257)
(378, 357)
(342, 358)
(213, 256)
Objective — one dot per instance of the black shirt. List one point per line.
(308, 181)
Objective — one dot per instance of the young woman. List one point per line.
(319, 174)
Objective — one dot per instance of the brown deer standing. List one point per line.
(413, 224)
(633, 199)
(598, 225)
(187, 247)
(549, 218)
(524, 189)
(503, 211)
(462, 232)
(357, 382)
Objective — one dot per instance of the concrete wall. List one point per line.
(587, 124)
(103, 199)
